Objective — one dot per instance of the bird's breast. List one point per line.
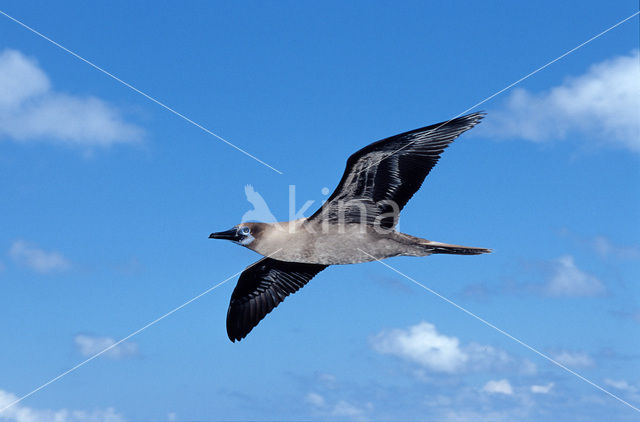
(351, 245)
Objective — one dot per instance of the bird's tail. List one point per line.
(439, 247)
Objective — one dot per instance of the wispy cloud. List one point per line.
(90, 345)
(600, 105)
(344, 409)
(569, 280)
(422, 344)
(502, 386)
(315, 399)
(606, 248)
(31, 110)
(574, 359)
(630, 390)
(19, 413)
(38, 260)
(341, 409)
(559, 277)
(542, 389)
(621, 385)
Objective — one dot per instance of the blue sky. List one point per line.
(108, 199)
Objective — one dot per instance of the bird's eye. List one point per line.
(245, 230)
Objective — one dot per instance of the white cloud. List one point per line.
(345, 409)
(455, 415)
(340, 409)
(602, 105)
(605, 248)
(325, 378)
(485, 357)
(542, 389)
(502, 386)
(574, 359)
(621, 385)
(436, 352)
(19, 413)
(315, 399)
(528, 368)
(90, 345)
(29, 255)
(423, 344)
(20, 79)
(31, 110)
(569, 280)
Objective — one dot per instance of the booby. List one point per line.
(356, 224)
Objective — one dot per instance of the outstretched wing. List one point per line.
(261, 287)
(381, 178)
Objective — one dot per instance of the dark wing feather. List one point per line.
(261, 287)
(380, 179)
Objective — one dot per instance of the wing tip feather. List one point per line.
(260, 289)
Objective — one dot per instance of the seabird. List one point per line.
(356, 224)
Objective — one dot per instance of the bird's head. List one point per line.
(243, 234)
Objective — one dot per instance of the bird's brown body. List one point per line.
(309, 242)
(356, 224)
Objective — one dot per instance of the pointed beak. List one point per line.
(231, 234)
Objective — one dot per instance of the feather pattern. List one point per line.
(380, 178)
(261, 287)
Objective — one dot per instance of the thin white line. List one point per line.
(140, 92)
(501, 331)
(550, 63)
(52, 380)
(115, 344)
(511, 85)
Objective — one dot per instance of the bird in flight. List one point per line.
(356, 224)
